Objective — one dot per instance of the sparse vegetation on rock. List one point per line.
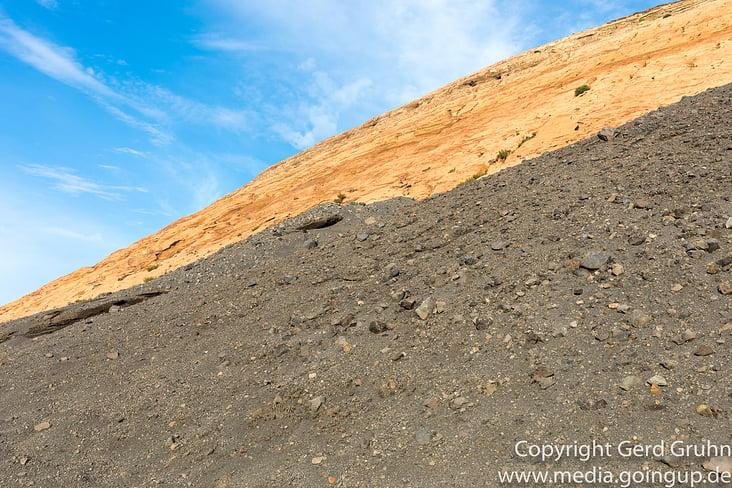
(527, 138)
(581, 89)
(503, 154)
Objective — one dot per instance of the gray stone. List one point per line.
(639, 319)
(608, 134)
(559, 330)
(697, 244)
(346, 320)
(657, 380)
(725, 288)
(630, 382)
(407, 303)
(460, 401)
(546, 383)
(721, 464)
(310, 244)
(468, 260)
(432, 403)
(315, 403)
(377, 326)
(483, 323)
(643, 204)
(425, 308)
(499, 245)
(688, 335)
(320, 222)
(712, 245)
(594, 260)
(399, 295)
(423, 437)
(672, 461)
(703, 350)
(669, 363)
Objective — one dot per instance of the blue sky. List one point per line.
(120, 116)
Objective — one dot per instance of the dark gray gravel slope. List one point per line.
(582, 296)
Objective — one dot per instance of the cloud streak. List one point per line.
(52, 60)
(129, 150)
(148, 108)
(230, 45)
(190, 110)
(62, 232)
(49, 4)
(68, 182)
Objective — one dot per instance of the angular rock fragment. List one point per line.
(594, 260)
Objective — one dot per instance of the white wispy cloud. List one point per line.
(425, 43)
(55, 61)
(364, 57)
(207, 190)
(66, 181)
(63, 232)
(146, 107)
(129, 150)
(162, 102)
(60, 64)
(49, 4)
(231, 45)
(157, 135)
(318, 118)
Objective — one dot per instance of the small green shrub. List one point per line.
(340, 198)
(148, 279)
(527, 137)
(152, 267)
(581, 89)
(503, 154)
(474, 177)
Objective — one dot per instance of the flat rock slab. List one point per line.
(55, 320)
(594, 260)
